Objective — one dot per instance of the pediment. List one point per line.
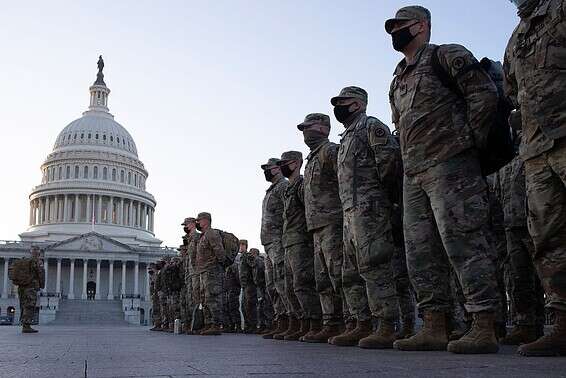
(91, 242)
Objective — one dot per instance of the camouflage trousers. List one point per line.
(249, 305)
(196, 291)
(328, 257)
(368, 285)
(276, 253)
(264, 308)
(173, 307)
(300, 281)
(447, 206)
(546, 195)
(525, 290)
(270, 290)
(156, 310)
(28, 301)
(212, 283)
(232, 306)
(164, 309)
(403, 287)
(186, 303)
(499, 243)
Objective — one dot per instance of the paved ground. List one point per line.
(60, 351)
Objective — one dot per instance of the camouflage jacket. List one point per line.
(272, 212)
(210, 251)
(232, 275)
(535, 76)
(434, 122)
(259, 272)
(510, 188)
(294, 219)
(38, 274)
(246, 269)
(322, 199)
(192, 241)
(368, 162)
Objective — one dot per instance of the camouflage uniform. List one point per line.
(28, 294)
(299, 252)
(249, 298)
(194, 274)
(174, 278)
(535, 70)
(271, 239)
(264, 305)
(153, 290)
(162, 293)
(210, 252)
(232, 290)
(185, 294)
(270, 292)
(444, 194)
(365, 158)
(323, 211)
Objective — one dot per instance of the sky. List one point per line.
(209, 90)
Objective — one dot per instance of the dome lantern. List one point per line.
(99, 91)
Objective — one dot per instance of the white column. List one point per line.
(30, 222)
(99, 215)
(147, 293)
(71, 294)
(88, 209)
(123, 277)
(41, 210)
(5, 283)
(138, 216)
(109, 208)
(85, 268)
(111, 280)
(46, 266)
(131, 214)
(58, 283)
(66, 208)
(47, 210)
(76, 208)
(56, 198)
(121, 212)
(97, 294)
(136, 278)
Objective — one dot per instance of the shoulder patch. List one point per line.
(378, 136)
(458, 63)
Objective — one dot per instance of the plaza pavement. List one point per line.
(129, 351)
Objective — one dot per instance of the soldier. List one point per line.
(193, 279)
(153, 288)
(299, 254)
(264, 305)
(249, 298)
(174, 280)
(445, 196)
(232, 290)
(184, 293)
(269, 294)
(28, 293)
(162, 293)
(210, 255)
(271, 239)
(368, 165)
(535, 82)
(323, 211)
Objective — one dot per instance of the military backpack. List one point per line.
(20, 272)
(231, 246)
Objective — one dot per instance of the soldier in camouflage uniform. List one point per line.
(184, 294)
(28, 294)
(174, 277)
(162, 293)
(232, 289)
(525, 290)
(270, 294)
(299, 254)
(264, 305)
(445, 195)
(323, 211)
(368, 166)
(272, 241)
(535, 73)
(210, 255)
(192, 280)
(153, 288)
(249, 298)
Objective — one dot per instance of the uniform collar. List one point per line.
(273, 185)
(403, 64)
(315, 151)
(354, 124)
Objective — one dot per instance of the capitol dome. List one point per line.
(93, 180)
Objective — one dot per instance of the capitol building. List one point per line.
(94, 220)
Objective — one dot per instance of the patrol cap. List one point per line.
(204, 215)
(413, 12)
(272, 162)
(290, 155)
(313, 119)
(187, 221)
(351, 92)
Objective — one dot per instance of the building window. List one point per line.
(85, 172)
(89, 135)
(111, 138)
(95, 173)
(105, 173)
(68, 173)
(129, 178)
(96, 136)
(118, 139)
(113, 174)
(135, 180)
(76, 171)
(122, 176)
(60, 173)
(104, 137)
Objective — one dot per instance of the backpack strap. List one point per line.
(446, 78)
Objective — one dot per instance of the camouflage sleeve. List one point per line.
(394, 111)
(215, 242)
(476, 86)
(330, 156)
(387, 157)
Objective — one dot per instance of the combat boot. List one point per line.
(553, 344)
(213, 330)
(292, 328)
(327, 332)
(315, 327)
(303, 330)
(156, 327)
(481, 337)
(26, 328)
(432, 336)
(259, 330)
(522, 334)
(382, 338)
(282, 324)
(352, 338)
(230, 328)
(204, 329)
(407, 328)
(349, 328)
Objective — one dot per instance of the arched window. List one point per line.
(113, 174)
(76, 171)
(85, 172)
(68, 173)
(111, 138)
(105, 173)
(129, 178)
(96, 136)
(121, 176)
(135, 180)
(95, 173)
(104, 137)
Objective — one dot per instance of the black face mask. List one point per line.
(199, 227)
(402, 37)
(286, 170)
(313, 138)
(268, 175)
(342, 113)
(186, 229)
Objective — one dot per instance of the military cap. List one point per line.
(313, 119)
(272, 162)
(413, 12)
(204, 215)
(351, 92)
(187, 221)
(290, 155)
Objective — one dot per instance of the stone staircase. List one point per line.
(99, 312)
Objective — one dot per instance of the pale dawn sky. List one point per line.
(209, 90)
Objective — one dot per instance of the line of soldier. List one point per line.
(379, 209)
